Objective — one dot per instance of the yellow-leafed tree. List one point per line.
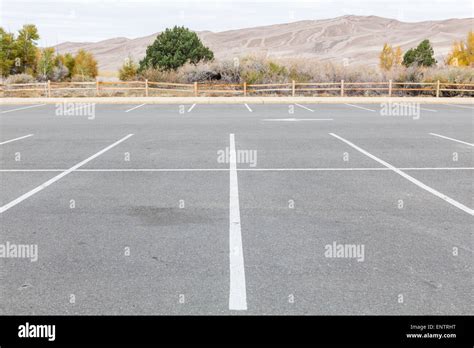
(85, 65)
(398, 56)
(386, 57)
(462, 53)
(390, 57)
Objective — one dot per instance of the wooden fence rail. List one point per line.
(149, 88)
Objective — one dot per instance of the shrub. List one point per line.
(255, 70)
(79, 78)
(156, 75)
(59, 73)
(129, 70)
(200, 73)
(20, 78)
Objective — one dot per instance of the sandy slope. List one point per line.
(358, 39)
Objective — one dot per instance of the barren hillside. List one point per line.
(358, 39)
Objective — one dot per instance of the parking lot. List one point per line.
(237, 209)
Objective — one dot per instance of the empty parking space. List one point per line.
(213, 209)
(291, 219)
(153, 243)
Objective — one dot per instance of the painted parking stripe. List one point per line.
(431, 110)
(296, 119)
(408, 177)
(59, 176)
(403, 104)
(19, 138)
(248, 108)
(359, 107)
(135, 107)
(452, 139)
(23, 108)
(238, 292)
(461, 106)
(191, 108)
(304, 107)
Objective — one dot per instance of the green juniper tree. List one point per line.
(173, 48)
(423, 55)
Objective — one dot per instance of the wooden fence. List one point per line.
(147, 88)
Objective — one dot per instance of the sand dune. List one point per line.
(355, 39)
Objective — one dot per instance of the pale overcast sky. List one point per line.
(94, 20)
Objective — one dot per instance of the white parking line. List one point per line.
(158, 170)
(304, 107)
(191, 108)
(408, 177)
(135, 107)
(452, 139)
(11, 140)
(345, 169)
(296, 119)
(460, 106)
(59, 176)
(359, 107)
(248, 108)
(23, 108)
(414, 107)
(238, 292)
(425, 109)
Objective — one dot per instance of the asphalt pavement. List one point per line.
(237, 209)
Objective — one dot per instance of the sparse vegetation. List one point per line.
(262, 70)
(20, 78)
(178, 56)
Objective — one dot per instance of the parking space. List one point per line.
(122, 243)
(407, 249)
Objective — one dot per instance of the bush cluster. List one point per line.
(263, 70)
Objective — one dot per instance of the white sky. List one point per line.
(94, 20)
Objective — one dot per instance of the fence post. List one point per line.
(245, 89)
(49, 89)
(390, 88)
(293, 88)
(146, 88)
(437, 89)
(342, 88)
(97, 87)
(195, 89)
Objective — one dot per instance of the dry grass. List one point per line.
(108, 75)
